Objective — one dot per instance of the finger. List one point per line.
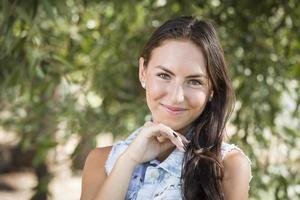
(161, 131)
(172, 135)
(166, 145)
(183, 138)
(161, 134)
(178, 137)
(164, 139)
(148, 123)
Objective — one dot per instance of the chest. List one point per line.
(159, 185)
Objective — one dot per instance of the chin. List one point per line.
(173, 125)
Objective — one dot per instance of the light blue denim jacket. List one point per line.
(155, 180)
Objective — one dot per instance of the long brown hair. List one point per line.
(202, 167)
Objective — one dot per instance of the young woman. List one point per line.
(180, 153)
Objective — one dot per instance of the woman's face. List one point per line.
(176, 83)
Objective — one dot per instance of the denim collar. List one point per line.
(173, 163)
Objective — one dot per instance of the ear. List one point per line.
(142, 72)
(211, 94)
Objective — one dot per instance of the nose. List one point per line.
(177, 93)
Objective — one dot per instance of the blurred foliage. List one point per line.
(71, 66)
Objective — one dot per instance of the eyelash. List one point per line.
(194, 80)
(163, 75)
(167, 76)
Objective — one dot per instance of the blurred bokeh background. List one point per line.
(69, 83)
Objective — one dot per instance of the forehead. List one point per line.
(179, 55)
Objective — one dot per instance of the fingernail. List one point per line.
(182, 149)
(186, 140)
(175, 135)
(181, 143)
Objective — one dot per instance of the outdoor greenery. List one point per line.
(70, 67)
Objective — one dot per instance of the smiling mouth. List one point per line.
(174, 110)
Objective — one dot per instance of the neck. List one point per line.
(184, 130)
(165, 154)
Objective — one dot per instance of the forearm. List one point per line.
(116, 185)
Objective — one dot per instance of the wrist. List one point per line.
(129, 158)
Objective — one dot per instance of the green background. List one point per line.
(74, 64)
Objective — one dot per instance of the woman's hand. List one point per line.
(153, 140)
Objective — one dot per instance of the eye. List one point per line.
(164, 76)
(195, 82)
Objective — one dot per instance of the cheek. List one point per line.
(197, 100)
(154, 90)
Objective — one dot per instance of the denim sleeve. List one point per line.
(117, 149)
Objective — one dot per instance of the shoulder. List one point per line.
(96, 159)
(237, 174)
(98, 155)
(94, 171)
(236, 163)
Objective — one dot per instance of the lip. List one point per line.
(174, 110)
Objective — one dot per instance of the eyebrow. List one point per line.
(190, 76)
